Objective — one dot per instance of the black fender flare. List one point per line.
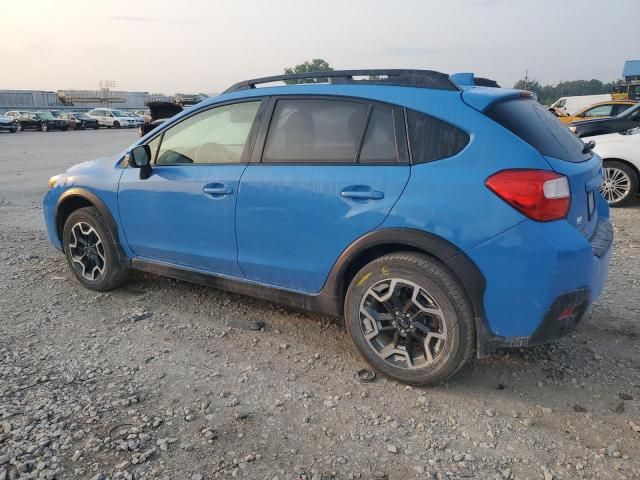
(98, 204)
(467, 272)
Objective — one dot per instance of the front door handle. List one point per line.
(362, 193)
(217, 190)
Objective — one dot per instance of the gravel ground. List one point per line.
(164, 379)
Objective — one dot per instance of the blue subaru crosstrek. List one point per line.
(439, 215)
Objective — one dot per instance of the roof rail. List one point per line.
(394, 77)
(486, 82)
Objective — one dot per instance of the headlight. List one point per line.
(573, 129)
(53, 180)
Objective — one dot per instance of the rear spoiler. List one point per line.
(466, 79)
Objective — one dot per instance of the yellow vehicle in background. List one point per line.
(627, 91)
(610, 108)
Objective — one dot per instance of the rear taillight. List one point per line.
(541, 195)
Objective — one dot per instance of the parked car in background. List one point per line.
(43, 121)
(598, 110)
(15, 114)
(439, 218)
(80, 120)
(159, 112)
(626, 120)
(620, 153)
(571, 105)
(109, 117)
(8, 124)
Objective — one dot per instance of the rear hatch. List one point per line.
(565, 153)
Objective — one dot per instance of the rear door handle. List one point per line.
(361, 193)
(217, 190)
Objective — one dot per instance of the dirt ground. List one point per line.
(168, 380)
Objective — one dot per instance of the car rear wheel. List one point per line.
(91, 251)
(44, 126)
(410, 318)
(620, 183)
(116, 124)
(20, 127)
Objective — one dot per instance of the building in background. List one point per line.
(70, 100)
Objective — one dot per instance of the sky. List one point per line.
(207, 45)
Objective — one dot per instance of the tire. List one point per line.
(14, 130)
(96, 127)
(448, 331)
(81, 125)
(116, 124)
(620, 183)
(64, 129)
(20, 127)
(44, 127)
(104, 254)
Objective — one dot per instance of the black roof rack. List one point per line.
(486, 82)
(405, 78)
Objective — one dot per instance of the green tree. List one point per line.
(315, 65)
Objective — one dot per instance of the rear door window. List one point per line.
(534, 124)
(379, 144)
(314, 131)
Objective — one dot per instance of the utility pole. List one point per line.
(526, 78)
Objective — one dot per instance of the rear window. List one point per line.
(432, 139)
(534, 124)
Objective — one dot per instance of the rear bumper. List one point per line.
(536, 274)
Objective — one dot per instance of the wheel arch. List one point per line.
(382, 242)
(627, 163)
(76, 198)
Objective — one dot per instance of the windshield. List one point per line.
(629, 111)
(82, 116)
(46, 115)
(118, 113)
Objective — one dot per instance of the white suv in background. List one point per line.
(109, 117)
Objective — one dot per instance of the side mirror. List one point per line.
(140, 157)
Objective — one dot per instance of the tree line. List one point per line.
(547, 94)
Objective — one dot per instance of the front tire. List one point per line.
(620, 183)
(116, 124)
(409, 317)
(44, 127)
(91, 251)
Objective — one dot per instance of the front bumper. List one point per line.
(8, 126)
(541, 279)
(49, 211)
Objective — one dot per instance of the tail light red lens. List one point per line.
(539, 194)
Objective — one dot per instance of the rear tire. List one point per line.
(44, 127)
(620, 183)
(91, 251)
(408, 299)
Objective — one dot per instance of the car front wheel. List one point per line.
(410, 318)
(620, 183)
(91, 251)
(44, 126)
